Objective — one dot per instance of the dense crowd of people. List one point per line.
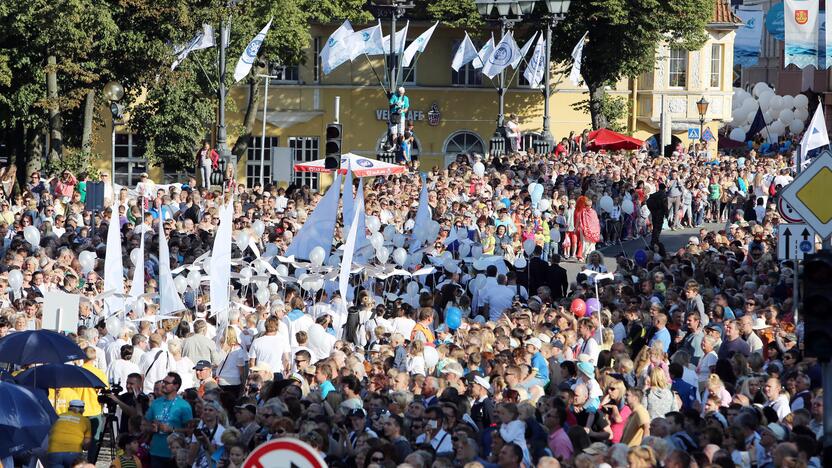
(669, 357)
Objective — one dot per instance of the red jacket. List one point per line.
(215, 158)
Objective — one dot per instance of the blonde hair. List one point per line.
(658, 378)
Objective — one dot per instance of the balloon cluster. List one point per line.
(781, 113)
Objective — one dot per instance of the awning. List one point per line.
(286, 119)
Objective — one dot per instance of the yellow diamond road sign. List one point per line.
(810, 194)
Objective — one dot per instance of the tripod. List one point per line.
(110, 428)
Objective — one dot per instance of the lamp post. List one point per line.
(508, 13)
(557, 13)
(222, 135)
(114, 91)
(702, 107)
(266, 79)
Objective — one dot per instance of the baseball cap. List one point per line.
(202, 364)
(777, 430)
(248, 407)
(534, 342)
(76, 404)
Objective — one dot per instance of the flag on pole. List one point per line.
(137, 286)
(537, 64)
(336, 51)
(113, 266)
(347, 199)
(169, 300)
(221, 269)
(203, 40)
(484, 53)
(815, 137)
(577, 59)
(319, 227)
(757, 125)
(465, 53)
(349, 251)
(524, 50)
(418, 45)
(401, 40)
(503, 55)
(250, 54)
(423, 218)
(367, 41)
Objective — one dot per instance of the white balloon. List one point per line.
(15, 280)
(333, 261)
(243, 239)
(765, 99)
(259, 266)
(245, 275)
(786, 115)
(544, 204)
(776, 103)
(759, 88)
(181, 283)
(750, 116)
(769, 115)
(476, 251)
(479, 169)
(777, 129)
(413, 288)
(382, 254)
(627, 207)
(796, 126)
(262, 296)
(136, 256)
(194, 278)
(464, 250)
(282, 270)
(801, 101)
(400, 256)
(87, 261)
(32, 235)
(399, 239)
(801, 114)
(519, 263)
(528, 246)
(259, 227)
(377, 240)
(737, 134)
(317, 256)
(389, 231)
(373, 223)
(606, 203)
(273, 288)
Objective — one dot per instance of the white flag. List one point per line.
(484, 53)
(250, 54)
(113, 266)
(367, 41)
(169, 300)
(537, 64)
(349, 251)
(422, 219)
(221, 269)
(137, 287)
(524, 51)
(319, 227)
(203, 40)
(465, 53)
(815, 136)
(577, 59)
(336, 51)
(418, 45)
(401, 40)
(503, 55)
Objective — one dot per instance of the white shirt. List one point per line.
(705, 364)
(270, 349)
(185, 368)
(119, 369)
(229, 371)
(114, 350)
(403, 325)
(441, 442)
(781, 406)
(155, 371)
(591, 348)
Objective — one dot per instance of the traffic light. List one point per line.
(333, 145)
(817, 302)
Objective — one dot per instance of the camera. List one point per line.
(104, 396)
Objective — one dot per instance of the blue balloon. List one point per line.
(453, 318)
(640, 257)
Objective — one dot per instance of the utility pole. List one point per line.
(222, 135)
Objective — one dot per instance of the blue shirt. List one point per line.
(540, 367)
(176, 413)
(664, 336)
(686, 391)
(326, 387)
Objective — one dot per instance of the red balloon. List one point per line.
(578, 307)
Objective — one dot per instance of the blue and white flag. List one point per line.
(203, 40)
(749, 36)
(418, 45)
(503, 56)
(113, 266)
(816, 136)
(484, 53)
(250, 54)
(577, 59)
(367, 41)
(336, 50)
(319, 228)
(401, 40)
(169, 300)
(537, 64)
(524, 51)
(801, 18)
(221, 269)
(465, 53)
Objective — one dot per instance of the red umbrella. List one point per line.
(610, 140)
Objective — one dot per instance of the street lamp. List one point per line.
(114, 91)
(508, 13)
(702, 107)
(557, 13)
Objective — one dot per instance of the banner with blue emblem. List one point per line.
(749, 37)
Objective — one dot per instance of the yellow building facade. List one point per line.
(452, 112)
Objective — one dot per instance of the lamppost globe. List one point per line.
(702, 106)
(113, 91)
(558, 7)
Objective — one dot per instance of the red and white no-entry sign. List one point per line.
(288, 453)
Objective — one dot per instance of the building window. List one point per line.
(130, 162)
(305, 149)
(678, 67)
(467, 75)
(409, 73)
(284, 72)
(253, 160)
(716, 65)
(464, 142)
(316, 69)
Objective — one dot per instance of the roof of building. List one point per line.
(723, 13)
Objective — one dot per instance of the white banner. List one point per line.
(577, 60)
(537, 64)
(319, 227)
(801, 18)
(336, 50)
(250, 54)
(367, 41)
(113, 266)
(484, 53)
(401, 40)
(169, 300)
(749, 38)
(465, 53)
(221, 269)
(418, 45)
(203, 40)
(524, 50)
(503, 56)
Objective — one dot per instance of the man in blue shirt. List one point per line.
(660, 323)
(169, 414)
(399, 105)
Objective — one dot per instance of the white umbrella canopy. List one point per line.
(361, 166)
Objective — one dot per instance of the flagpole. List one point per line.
(375, 72)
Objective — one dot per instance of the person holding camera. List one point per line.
(168, 414)
(132, 401)
(207, 437)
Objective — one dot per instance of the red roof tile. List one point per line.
(723, 13)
